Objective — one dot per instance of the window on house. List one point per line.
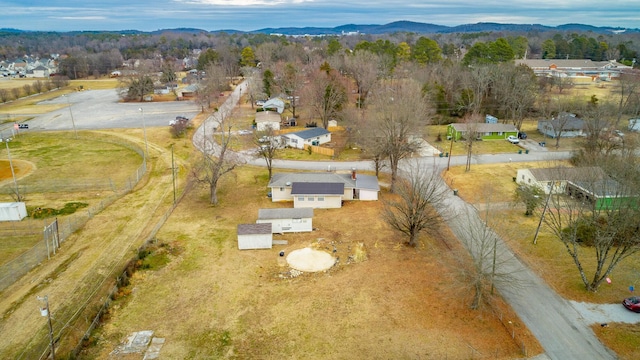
(300, 198)
(310, 198)
(529, 181)
(320, 198)
(281, 189)
(296, 220)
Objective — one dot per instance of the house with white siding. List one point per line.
(312, 136)
(323, 190)
(284, 220)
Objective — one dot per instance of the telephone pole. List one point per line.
(45, 312)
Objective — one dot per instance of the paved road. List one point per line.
(560, 329)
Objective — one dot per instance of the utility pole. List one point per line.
(144, 132)
(173, 174)
(546, 205)
(73, 123)
(45, 312)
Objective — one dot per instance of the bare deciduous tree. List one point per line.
(326, 95)
(600, 219)
(491, 259)
(398, 111)
(363, 66)
(268, 145)
(412, 209)
(216, 158)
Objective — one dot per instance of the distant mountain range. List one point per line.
(423, 28)
(394, 27)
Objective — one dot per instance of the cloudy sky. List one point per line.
(246, 15)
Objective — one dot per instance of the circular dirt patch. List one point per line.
(21, 168)
(310, 260)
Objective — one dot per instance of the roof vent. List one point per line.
(288, 183)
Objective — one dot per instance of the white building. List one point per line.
(254, 236)
(313, 136)
(287, 219)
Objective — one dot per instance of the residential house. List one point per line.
(266, 119)
(481, 131)
(591, 184)
(555, 179)
(284, 220)
(564, 125)
(312, 136)
(255, 236)
(189, 91)
(274, 104)
(323, 190)
(38, 72)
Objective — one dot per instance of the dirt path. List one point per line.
(81, 269)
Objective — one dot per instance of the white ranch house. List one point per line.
(285, 220)
(323, 190)
(313, 136)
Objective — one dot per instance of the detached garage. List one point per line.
(254, 236)
(287, 219)
(14, 211)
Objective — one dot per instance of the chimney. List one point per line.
(353, 173)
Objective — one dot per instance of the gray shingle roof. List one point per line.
(567, 173)
(316, 188)
(285, 213)
(254, 229)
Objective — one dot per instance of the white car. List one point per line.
(513, 139)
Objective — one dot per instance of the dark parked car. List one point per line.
(522, 135)
(632, 303)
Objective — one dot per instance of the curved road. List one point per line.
(561, 330)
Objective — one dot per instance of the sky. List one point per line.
(248, 15)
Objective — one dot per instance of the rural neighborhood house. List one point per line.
(323, 190)
(481, 131)
(313, 136)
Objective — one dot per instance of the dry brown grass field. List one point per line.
(211, 300)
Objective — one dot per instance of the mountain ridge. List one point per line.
(374, 29)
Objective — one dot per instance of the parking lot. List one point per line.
(102, 109)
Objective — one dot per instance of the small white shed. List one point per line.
(14, 211)
(285, 220)
(254, 236)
